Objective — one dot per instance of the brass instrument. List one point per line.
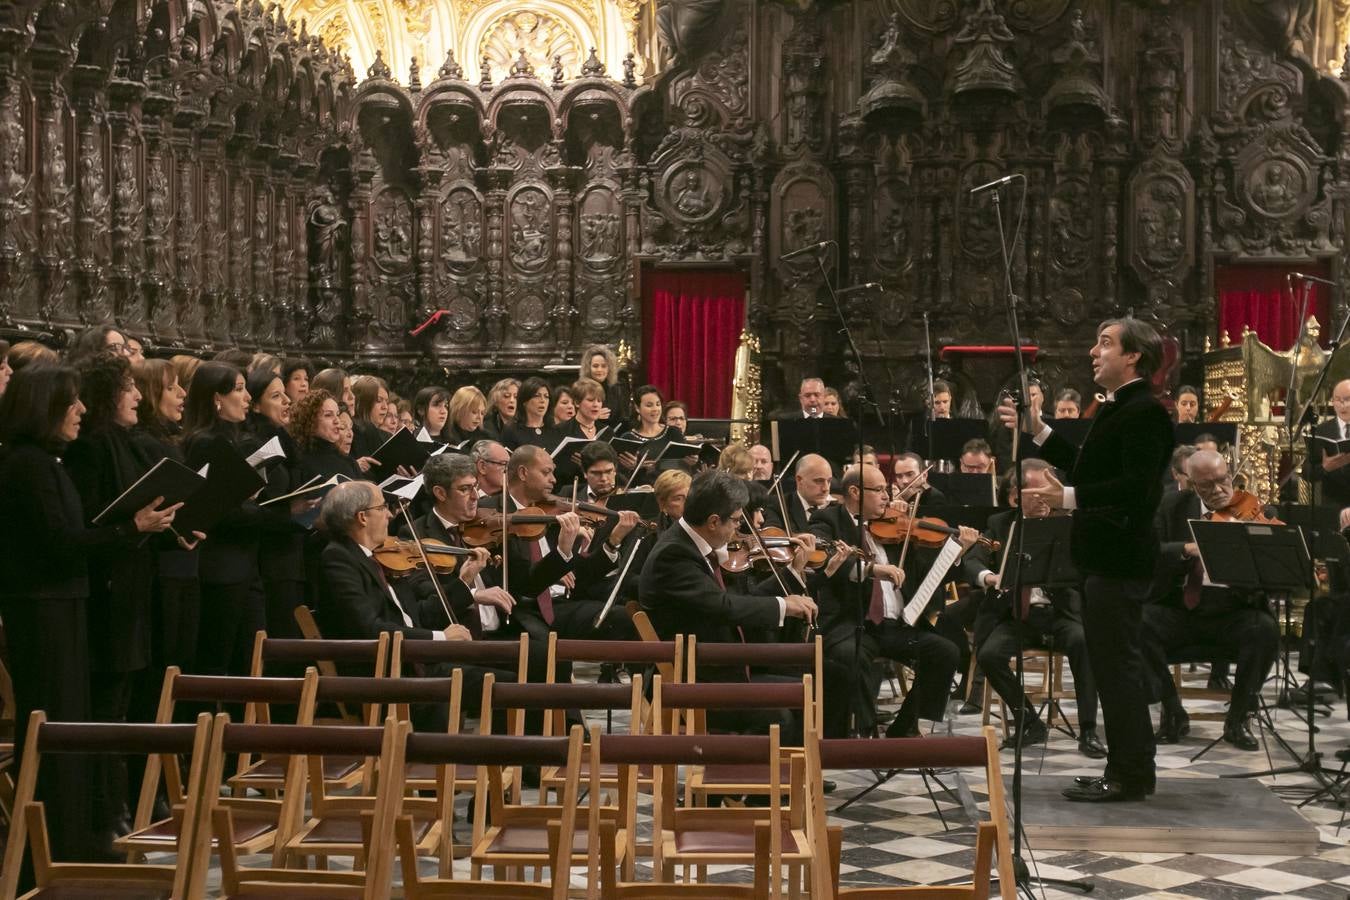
(747, 391)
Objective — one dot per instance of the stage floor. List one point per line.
(1186, 815)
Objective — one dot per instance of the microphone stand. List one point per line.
(1021, 872)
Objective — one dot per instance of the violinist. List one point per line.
(545, 573)
(911, 483)
(977, 457)
(763, 463)
(683, 590)
(1044, 613)
(356, 600)
(1188, 609)
(600, 468)
(812, 476)
(489, 461)
(933, 657)
(1329, 468)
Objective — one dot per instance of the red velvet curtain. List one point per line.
(1260, 297)
(691, 328)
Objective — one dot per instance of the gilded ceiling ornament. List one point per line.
(523, 41)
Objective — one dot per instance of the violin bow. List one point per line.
(636, 467)
(506, 551)
(778, 489)
(773, 567)
(909, 535)
(618, 585)
(422, 551)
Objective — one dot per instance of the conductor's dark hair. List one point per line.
(1138, 337)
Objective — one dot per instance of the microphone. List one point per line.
(1301, 277)
(802, 251)
(996, 183)
(869, 286)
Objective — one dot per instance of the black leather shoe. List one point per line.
(1240, 735)
(1101, 790)
(1090, 745)
(1219, 682)
(969, 708)
(1034, 732)
(901, 728)
(1173, 727)
(828, 786)
(1343, 754)
(1089, 780)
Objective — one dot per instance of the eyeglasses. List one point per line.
(875, 490)
(382, 506)
(495, 462)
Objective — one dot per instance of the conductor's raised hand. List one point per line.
(1052, 495)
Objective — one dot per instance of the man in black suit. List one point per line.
(356, 601)
(1048, 617)
(1332, 470)
(812, 476)
(909, 468)
(1190, 610)
(934, 657)
(544, 573)
(1116, 479)
(682, 587)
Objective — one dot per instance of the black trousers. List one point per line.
(231, 615)
(574, 620)
(1249, 636)
(49, 663)
(848, 659)
(1045, 628)
(934, 659)
(1113, 626)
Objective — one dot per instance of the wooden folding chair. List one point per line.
(992, 842)
(256, 818)
(185, 880)
(299, 741)
(663, 754)
(695, 700)
(489, 755)
(355, 656)
(504, 655)
(696, 837)
(518, 835)
(334, 824)
(9, 757)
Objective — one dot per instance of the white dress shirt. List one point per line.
(436, 634)
(487, 613)
(704, 548)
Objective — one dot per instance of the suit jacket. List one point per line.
(457, 593)
(1334, 487)
(681, 595)
(353, 604)
(839, 597)
(1117, 479)
(798, 515)
(998, 603)
(527, 580)
(1173, 523)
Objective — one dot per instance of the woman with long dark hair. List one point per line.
(531, 422)
(431, 410)
(372, 404)
(45, 547)
(317, 429)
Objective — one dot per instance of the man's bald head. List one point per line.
(1206, 464)
(813, 478)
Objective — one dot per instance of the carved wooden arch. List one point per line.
(521, 91)
(450, 92)
(589, 89)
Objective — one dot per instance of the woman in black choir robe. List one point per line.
(176, 601)
(372, 405)
(599, 364)
(297, 373)
(654, 432)
(590, 399)
(103, 462)
(317, 430)
(338, 384)
(431, 411)
(502, 403)
(468, 408)
(563, 408)
(281, 557)
(531, 423)
(45, 549)
(233, 605)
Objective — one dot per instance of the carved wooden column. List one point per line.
(92, 223)
(260, 262)
(283, 306)
(298, 265)
(565, 311)
(495, 302)
(156, 272)
(186, 233)
(127, 209)
(16, 190)
(355, 330)
(237, 267)
(55, 199)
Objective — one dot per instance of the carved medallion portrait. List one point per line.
(693, 193)
(531, 226)
(1276, 187)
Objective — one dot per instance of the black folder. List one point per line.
(230, 480)
(402, 449)
(167, 478)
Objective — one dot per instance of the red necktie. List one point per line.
(717, 576)
(379, 572)
(545, 598)
(876, 606)
(1195, 581)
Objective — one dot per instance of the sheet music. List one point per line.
(269, 450)
(946, 556)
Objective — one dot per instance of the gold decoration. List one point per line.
(533, 38)
(747, 390)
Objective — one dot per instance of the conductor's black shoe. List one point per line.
(1343, 754)
(1239, 735)
(828, 786)
(1173, 727)
(1034, 732)
(1089, 780)
(969, 708)
(1090, 745)
(902, 728)
(1102, 790)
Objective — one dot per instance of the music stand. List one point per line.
(832, 437)
(1268, 558)
(948, 436)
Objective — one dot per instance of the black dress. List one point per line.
(455, 435)
(44, 591)
(366, 438)
(517, 434)
(281, 557)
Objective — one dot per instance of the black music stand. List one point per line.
(1270, 559)
(832, 437)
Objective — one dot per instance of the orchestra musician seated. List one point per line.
(1049, 619)
(683, 591)
(911, 482)
(813, 475)
(1187, 609)
(933, 657)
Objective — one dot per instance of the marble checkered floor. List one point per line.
(900, 834)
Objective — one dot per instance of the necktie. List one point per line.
(379, 572)
(384, 585)
(1026, 603)
(453, 537)
(716, 569)
(545, 597)
(1195, 580)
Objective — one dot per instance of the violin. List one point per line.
(399, 558)
(926, 532)
(1244, 507)
(529, 523)
(593, 513)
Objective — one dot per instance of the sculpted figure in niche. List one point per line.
(392, 241)
(599, 236)
(327, 229)
(693, 194)
(1274, 190)
(681, 24)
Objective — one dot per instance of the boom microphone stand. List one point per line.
(1025, 881)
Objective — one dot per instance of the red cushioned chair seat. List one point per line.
(248, 824)
(708, 840)
(531, 839)
(345, 828)
(274, 767)
(105, 890)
